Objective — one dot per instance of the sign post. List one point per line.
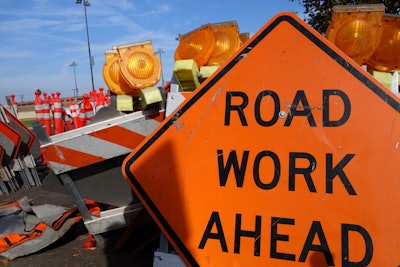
(288, 155)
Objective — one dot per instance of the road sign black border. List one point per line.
(360, 75)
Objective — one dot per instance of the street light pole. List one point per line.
(85, 4)
(73, 64)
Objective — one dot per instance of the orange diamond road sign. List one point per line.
(287, 156)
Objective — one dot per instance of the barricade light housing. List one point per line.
(210, 44)
(244, 36)
(386, 56)
(197, 45)
(227, 42)
(356, 30)
(139, 65)
(112, 76)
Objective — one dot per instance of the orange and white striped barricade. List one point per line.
(57, 114)
(88, 162)
(46, 115)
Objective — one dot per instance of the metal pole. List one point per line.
(73, 64)
(86, 3)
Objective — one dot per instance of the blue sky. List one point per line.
(41, 38)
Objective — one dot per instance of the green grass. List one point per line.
(28, 123)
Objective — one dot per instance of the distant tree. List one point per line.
(319, 12)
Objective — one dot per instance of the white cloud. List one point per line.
(9, 54)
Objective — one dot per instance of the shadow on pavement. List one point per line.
(137, 250)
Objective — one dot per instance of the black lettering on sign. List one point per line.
(256, 234)
(299, 107)
(275, 237)
(300, 101)
(369, 248)
(306, 171)
(232, 161)
(280, 245)
(239, 170)
(276, 170)
(219, 235)
(326, 122)
(316, 229)
(337, 171)
(238, 108)
(257, 109)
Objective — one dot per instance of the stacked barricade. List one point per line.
(17, 164)
(55, 119)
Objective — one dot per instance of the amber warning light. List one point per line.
(210, 44)
(368, 35)
(132, 67)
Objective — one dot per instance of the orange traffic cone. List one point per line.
(88, 108)
(100, 100)
(57, 114)
(38, 108)
(46, 114)
(74, 112)
(82, 118)
(67, 120)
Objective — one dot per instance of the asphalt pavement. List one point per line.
(119, 248)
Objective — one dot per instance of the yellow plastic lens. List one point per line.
(139, 65)
(227, 42)
(386, 57)
(356, 30)
(355, 37)
(112, 76)
(197, 45)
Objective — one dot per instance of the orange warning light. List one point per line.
(210, 44)
(227, 42)
(112, 76)
(386, 57)
(139, 65)
(197, 45)
(356, 30)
